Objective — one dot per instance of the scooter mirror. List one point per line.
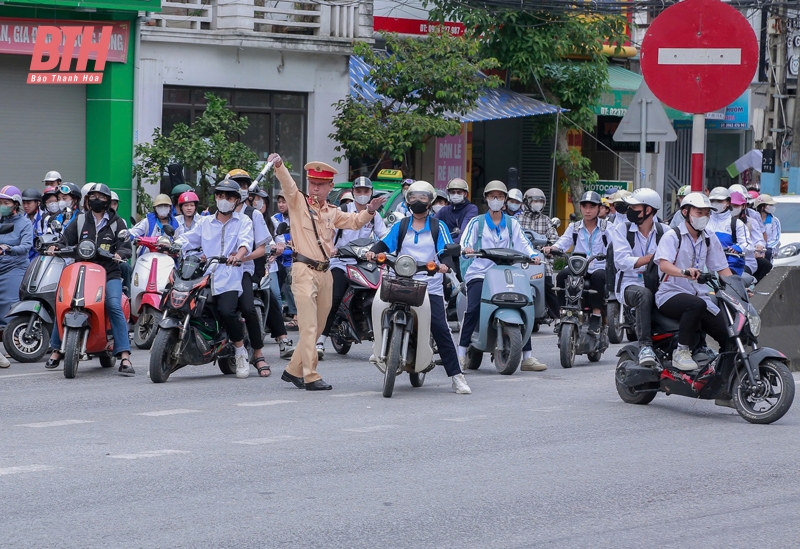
(556, 222)
(6, 228)
(55, 224)
(168, 230)
(123, 234)
(283, 228)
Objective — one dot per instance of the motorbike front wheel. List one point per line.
(417, 379)
(615, 330)
(161, 362)
(26, 349)
(72, 355)
(393, 361)
(144, 331)
(339, 344)
(507, 361)
(774, 398)
(473, 359)
(568, 341)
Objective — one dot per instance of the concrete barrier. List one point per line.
(780, 312)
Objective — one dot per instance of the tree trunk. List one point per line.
(575, 184)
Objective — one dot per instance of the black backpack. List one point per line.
(260, 263)
(650, 275)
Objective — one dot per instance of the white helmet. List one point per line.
(495, 185)
(420, 190)
(85, 190)
(458, 184)
(719, 193)
(114, 196)
(738, 189)
(646, 197)
(52, 175)
(698, 200)
(684, 190)
(515, 194)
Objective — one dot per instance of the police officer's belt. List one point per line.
(321, 266)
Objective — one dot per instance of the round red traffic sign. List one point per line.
(699, 56)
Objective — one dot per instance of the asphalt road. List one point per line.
(538, 459)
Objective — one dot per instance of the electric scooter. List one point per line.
(150, 278)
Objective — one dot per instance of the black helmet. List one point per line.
(71, 189)
(31, 194)
(258, 191)
(591, 197)
(99, 188)
(227, 186)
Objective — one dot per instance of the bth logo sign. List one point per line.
(55, 48)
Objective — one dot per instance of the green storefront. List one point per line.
(84, 131)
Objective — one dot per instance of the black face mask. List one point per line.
(637, 218)
(418, 207)
(621, 208)
(97, 205)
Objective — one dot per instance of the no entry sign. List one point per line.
(699, 56)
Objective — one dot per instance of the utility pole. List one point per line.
(775, 114)
(794, 159)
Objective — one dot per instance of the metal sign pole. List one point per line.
(643, 145)
(698, 150)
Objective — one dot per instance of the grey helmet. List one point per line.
(362, 182)
(590, 197)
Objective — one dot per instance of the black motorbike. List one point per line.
(757, 382)
(353, 322)
(190, 331)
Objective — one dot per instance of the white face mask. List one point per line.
(718, 206)
(770, 209)
(244, 194)
(64, 204)
(736, 211)
(53, 207)
(495, 204)
(699, 223)
(363, 199)
(162, 211)
(456, 198)
(258, 204)
(437, 208)
(513, 207)
(537, 206)
(224, 206)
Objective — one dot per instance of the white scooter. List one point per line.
(150, 278)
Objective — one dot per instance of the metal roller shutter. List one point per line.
(41, 127)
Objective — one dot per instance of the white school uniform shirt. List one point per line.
(773, 225)
(589, 244)
(420, 246)
(692, 255)
(182, 228)
(217, 239)
(260, 236)
(625, 257)
(374, 226)
(721, 223)
(508, 234)
(755, 233)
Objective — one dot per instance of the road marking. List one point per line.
(265, 403)
(169, 412)
(370, 429)
(700, 56)
(547, 410)
(269, 440)
(51, 372)
(150, 454)
(362, 393)
(24, 469)
(60, 423)
(464, 419)
(513, 379)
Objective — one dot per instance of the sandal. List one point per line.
(50, 364)
(263, 371)
(292, 325)
(128, 370)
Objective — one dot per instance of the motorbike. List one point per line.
(756, 381)
(190, 331)
(512, 299)
(620, 320)
(31, 319)
(150, 277)
(353, 322)
(573, 330)
(402, 310)
(80, 307)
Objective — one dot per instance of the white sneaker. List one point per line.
(4, 362)
(286, 348)
(320, 351)
(460, 385)
(242, 367)
(647, 357)
(532, 365)
(682, 360)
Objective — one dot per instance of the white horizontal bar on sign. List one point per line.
(700, 56)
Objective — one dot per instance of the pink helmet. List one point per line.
(753, 194)
(188, 196)
(737, 199)
(10, 192)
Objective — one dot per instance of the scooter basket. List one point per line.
(403, 290)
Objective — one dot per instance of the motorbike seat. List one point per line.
(662, 324)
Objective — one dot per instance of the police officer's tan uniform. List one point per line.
(312, 283)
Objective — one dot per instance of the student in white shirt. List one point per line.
(765, 206)
(683, 254)
(494, 229)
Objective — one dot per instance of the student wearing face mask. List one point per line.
(535, 219)
(441, 201)
(374, 229)
(50, 211)
(514, 202)
(756, 263)
(732, 233)
(765, 206)
(153, 223)
(69, 197)
(460, 211)
(683, 253)
(620, 207)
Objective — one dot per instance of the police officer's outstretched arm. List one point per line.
(290, 191)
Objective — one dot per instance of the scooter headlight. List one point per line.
(86, 249)
(754, 321)
(164, 241)
(405, 266)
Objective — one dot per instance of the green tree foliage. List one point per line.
(558, 55)
(427, 84)
(210, 148)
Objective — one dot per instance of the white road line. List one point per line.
(700, 56)
(370, 429)
(269, 440)
(169, 412)
(463, 419)
(150, 454)
(60, 423)
(265, 403)
(362, 393)
(513, 379)
(7, 376)
(24, 469)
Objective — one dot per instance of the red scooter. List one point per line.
(80, 308)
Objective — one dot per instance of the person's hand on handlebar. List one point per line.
(369, 256)
(233, 260)
(536, 260)
(692, 274)
(468, 250)
(443, 268)
(50, 251)
(548, 249)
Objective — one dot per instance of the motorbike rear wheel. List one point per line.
(107, 360)
(72, 355)
(630, 396)
(773, 401)
(568, 341)
(507, 361)
(615, 330)
(340, 346)
(417, 379)
(161, 366)
(144, 331)
(594, 356)
(393, 361)
(26, 349)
